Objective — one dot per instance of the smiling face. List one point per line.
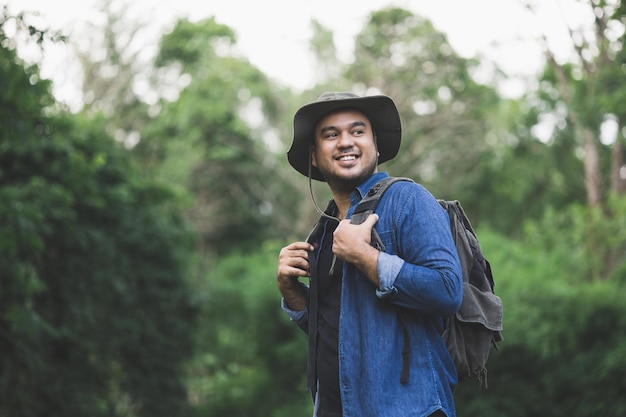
(344, 149)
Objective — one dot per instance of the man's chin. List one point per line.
(347, 182)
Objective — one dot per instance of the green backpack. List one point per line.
(477, 325)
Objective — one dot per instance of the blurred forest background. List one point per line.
(139, 237)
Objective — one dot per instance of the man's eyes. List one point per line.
(333, 135)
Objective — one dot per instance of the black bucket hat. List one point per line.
(380, 109)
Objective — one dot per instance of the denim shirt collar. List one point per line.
(362, 189)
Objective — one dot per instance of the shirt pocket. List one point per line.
(388, 238)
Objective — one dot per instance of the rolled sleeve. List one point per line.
(388, 269)
(296, 316)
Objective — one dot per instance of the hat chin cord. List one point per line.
(317, 207)
(320, 211)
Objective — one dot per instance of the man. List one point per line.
(364, 307)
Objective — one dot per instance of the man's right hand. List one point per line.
(293, 262)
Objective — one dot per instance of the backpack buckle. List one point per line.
(374, 189)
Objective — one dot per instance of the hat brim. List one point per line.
(381, 111)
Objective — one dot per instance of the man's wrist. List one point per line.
(287, 283)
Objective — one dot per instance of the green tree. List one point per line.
(219, 141)
(522, 176)
(589, 89)
(96, 315)
(580, 96)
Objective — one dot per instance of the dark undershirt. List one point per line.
(329, 397)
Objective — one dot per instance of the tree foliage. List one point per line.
(95, 311)
(219, 139)
(521, 176)
(252, 358)
(586, 88)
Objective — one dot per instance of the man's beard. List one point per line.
(338, 183)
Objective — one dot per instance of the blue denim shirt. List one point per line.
(419, 272)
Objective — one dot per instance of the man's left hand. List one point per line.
(352, 241)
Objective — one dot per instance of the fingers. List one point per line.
(371, 220)
(293, 260)
(363, 229)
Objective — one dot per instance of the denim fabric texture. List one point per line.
(420, 273)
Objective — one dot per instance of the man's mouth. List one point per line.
(347, 158)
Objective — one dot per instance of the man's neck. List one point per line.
(342, 200)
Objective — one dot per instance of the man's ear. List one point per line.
(312, 153)
(376, 145)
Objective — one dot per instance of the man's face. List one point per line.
(345, 149)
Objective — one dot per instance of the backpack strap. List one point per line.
(368, 204)
(317, 230)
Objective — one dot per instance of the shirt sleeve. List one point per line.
(297, 316)
(388, 269)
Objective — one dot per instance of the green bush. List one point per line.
(252, 359)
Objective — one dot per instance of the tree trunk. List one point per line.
(618, 167)
(592, 167)
(590, 145)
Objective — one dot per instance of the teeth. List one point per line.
(347, 158)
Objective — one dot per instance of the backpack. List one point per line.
(477, 325)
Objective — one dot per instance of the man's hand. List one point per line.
(293, 262)
(351, 243)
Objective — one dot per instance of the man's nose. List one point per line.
(346, 140)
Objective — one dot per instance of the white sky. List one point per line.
(274, 34)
